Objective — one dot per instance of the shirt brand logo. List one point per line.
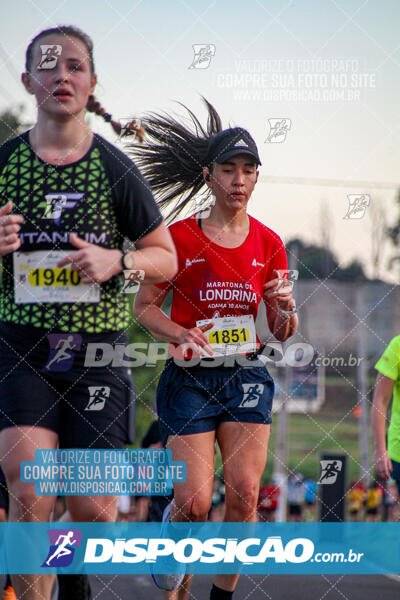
(257, 264)
(189, 262)
(241, 144)
(55, 203)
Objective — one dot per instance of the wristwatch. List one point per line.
(288, 313)
(127, 260)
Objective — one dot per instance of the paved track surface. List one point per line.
(255, 587)
(258, 587)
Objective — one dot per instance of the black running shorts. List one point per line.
(44, 383)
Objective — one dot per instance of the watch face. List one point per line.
(128, 261)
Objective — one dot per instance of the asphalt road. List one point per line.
(258, 587)
(255, 587)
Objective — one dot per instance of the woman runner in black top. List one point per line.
(69, 200)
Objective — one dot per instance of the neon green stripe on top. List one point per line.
(389, 365)
(88, 210)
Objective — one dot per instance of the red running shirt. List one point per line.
(213, 281)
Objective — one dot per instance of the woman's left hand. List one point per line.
(93, 263)
(278, 291)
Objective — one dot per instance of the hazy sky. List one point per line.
(330, 68)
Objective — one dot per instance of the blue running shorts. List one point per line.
(197, 399)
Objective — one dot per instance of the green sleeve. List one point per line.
(389, 362)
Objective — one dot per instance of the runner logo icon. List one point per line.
(132, 280)
(61, 551)
(329, 471)
(278, 129)
(62, 346)
(251, 394)
(287, 277)
(98, 397)
(203, 54)
(358, 204)
(50, 54)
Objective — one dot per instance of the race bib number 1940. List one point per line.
(38, 279)
(231, 335)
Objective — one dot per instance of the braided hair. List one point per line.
(131, 128)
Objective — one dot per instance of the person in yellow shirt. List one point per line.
(373, 501)
(355, 498)
(387, 456)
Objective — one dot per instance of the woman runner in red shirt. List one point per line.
(227, 263)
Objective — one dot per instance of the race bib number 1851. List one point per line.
(231, 335)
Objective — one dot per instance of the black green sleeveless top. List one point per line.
(106, 201)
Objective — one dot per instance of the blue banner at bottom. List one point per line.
(258, 548)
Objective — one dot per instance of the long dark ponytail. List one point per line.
(172, 157)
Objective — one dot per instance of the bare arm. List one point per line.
(147, 310)
(282, 327)
(142, 508)
(382, 396)
(156, 256)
